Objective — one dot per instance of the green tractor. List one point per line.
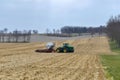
(65, 48)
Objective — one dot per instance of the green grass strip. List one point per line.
(112, 63)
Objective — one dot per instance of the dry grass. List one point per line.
(20, 62)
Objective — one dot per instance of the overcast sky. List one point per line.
(43, 14)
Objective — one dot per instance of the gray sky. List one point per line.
(43, 14)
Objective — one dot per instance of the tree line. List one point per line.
(15, 36)
(113, 29)
(79, 29)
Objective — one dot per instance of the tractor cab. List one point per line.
(65, 44)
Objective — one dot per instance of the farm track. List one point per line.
(20, 62)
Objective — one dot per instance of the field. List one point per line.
(18, 61)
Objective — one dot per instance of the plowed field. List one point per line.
(18, 61)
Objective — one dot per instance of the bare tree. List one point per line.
(16, 36)
(35, 31)
(54, 31)
(9, 37)
(29, 36)
(2, 36)
(113, 29)
(47, 31)
(5, 30)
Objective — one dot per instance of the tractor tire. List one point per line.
(57, 50)
(65, 51)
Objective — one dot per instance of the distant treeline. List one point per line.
(15, 36)
(79, 30)
(113, 29)
(68, 31)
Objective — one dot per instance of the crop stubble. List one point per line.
(20, 62)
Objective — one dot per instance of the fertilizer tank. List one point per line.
(50, 45)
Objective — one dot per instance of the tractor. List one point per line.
(65, 48)
(50, 48)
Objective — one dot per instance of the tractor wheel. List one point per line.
(57, 50)
(65, 51)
